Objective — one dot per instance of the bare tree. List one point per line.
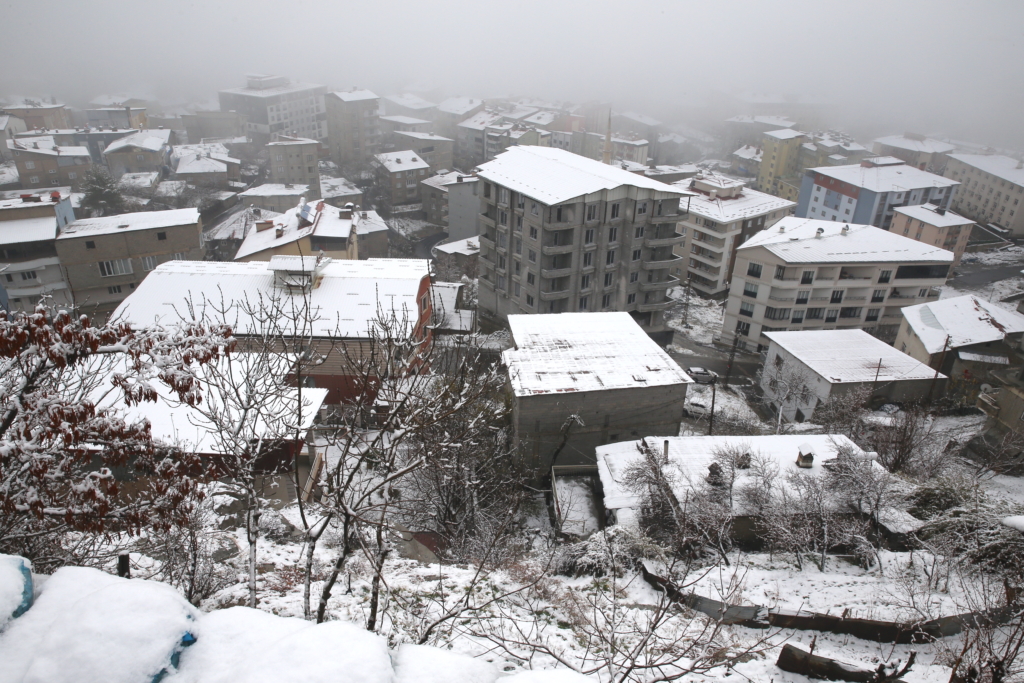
(840, 413)
(909, 444)
(785, 386)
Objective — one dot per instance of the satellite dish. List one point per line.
(986, 388)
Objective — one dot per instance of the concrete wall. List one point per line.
(463, 208)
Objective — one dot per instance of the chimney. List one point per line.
(819, 232)
(279, 231)
(805, 456)
(846, 230)
(939, 210)
(666, 450)
(782, 228)
(1020, 163)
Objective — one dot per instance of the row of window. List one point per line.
(123, 266)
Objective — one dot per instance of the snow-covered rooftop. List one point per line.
(541, 118)
(237, 224)
(37, 229)
(347, 296)
(643, 119)
(1002, 167)
(467, 247)
(423, 136)
(850, 356)
(29, 103)
(746, 204)
(139, 180)
(551, 175)
(150, 140)
(405, 120)
(409, 101)
(442, 180)
(44, 144)
(446, 315)
(400, 161)
(929, 213)
(481, 120)
(337, 187)
(883, 176)
(964, 319)
(197, 163)
(127, 222)
(795, 240)
(459, 105)
(273, 90)
(576, 352)
(275, 190)
(354, 95)
(751, 152)
(314, 218)
(780, 121)
(785, 134)
(913, 144)
(286, 140)
(690, 456)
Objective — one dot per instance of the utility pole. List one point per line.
(732, 357)
(942, 359)
(711, 420)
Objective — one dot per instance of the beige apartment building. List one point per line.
(142, 152)
(30, 269)
(561, 233)
(719, 215)
(295, 161)
(353, 127)
(915, 149)
(43, 163)
(398, 178)
(991, 190)
(37, 113)
(780, 161)
(106, 258)
(436, 150)
(933, 225)
(806, 274)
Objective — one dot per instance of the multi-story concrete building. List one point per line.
(106, 258)
(30, 269)
(142, 152)
(453, 111)
(917, 150)
(748, 130)
(295, 161)
(805, 274)
(275, 105)
(561, 233)
(748, 160)
(408, 104)
(41, 162)
(339, 192)
(992, 189)
(117, 117)
(868, 193)
(10, 128)
(780, 158)
(934, 225)
(451, 201)
(353, 127)
(436, 150)
(274, 197)
(398, 178)
(37, 113)
(214, 124)
(470, 144)
(721, 214)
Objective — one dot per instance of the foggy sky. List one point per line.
(934, 66)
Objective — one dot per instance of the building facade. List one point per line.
(992, 189)
(143, 152)
(29, 226)
(10, 127)
(451, 200)
(399, 175)
(805, 274)
(295, 161)
(274, 105)
(39, 113)
(436, 150)
(41, 162)
(353, 127)
(562, 233)
(934, 225)
(917, 150)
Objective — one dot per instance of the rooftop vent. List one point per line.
(939, 210)
(819, 232)
(805, 456)
(782, 228)
(123, 225)
(846, 229)
(279, 231)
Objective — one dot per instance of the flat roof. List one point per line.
(795, 240)
(850, 356)
(576, 352)
(459, 105)
(44, 144)
(785, 134)
(276, 190)
(409, 101)
(348, 297)
(127, 222)
(780, 121)
(551, 175)
(423, 136)
(400, 161)
(927, 145)
(889, 177)
(964, 320)
(37, 229)
(354, 95)
(291, 140)
(640, 118)
(929, 213)
(272, 90)
(407, 120)
(998, 165)
(467, 247)
(442, 180)
(153, 140)
(747, 204)
(337, 187)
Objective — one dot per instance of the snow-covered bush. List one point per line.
(614, 550)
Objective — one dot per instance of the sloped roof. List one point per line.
(459, 105)
(151, 140)
(929, 214)
(127, 222)
(890, 177)
(354, 95)
(45, 144)
(850, 356)
(927, 145)
(400, 161)
(964, 319)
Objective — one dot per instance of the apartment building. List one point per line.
(398, 178)
(451, 200)
(95, 139)
(117, 117)
(868, 193)
(917, 150)
(339, 192)
(353, 127)
(307, 229)
(992, 189)
(105, 259)
(561, 233)
(934, 225)
(295, 161)
(469, 140)
(41, 162)
(143, 152)
(10, 127)
(37, 113)
(436, 150)
(274, 105)
(806, 274)
(780, 158)
(30, 269)
(274, 196)
(408, 104)
(214, 124)
(453, 111)
(748, 130)
(719, 215)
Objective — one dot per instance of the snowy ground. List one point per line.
(8, 173)
(994, 291)
(704, 317)
(999, 257)
(698, 402)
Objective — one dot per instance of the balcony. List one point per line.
(551, 296)
(707, 256)
(554, 273)
(650, 308)
(671, 240)
(553, 249)
(779, 297)
(486, 220)
(664, 284)
(670, 262)
(486, 241)
(988, 404)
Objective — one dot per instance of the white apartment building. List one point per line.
(806, 274)
(721, 214)
(992, 189)
(560, 232)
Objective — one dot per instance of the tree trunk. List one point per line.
(325, 594)
(378, 569)
(252, 533)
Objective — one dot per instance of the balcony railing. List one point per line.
(707, 256)
(654, 242)
(555, 272)
(670, 262)
(664, 284)
(553, 249)
(486, 241)
(659, 306)
(551, 296)
(486, 220)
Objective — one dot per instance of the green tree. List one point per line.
(102, 195)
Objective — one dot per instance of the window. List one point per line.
(815, 313)
(921, 272)
(631, 299)
(560, 215)
(530, 279)
(116, 289)
(750, 289)
(139, 157)
(519, 245)
(161, 236)
(520, 201)
(641, 208)
(615, 210)
(837, 296)
(613, 234)
(503, 195)
(28, 275)
(609, 258)
(801, 297)
(747, 309)
(743, 328)
(529, 300)
(515, 287)
(807, 277)
(502, 218)
(754, 269)
(609, 279)
(636, 254)
(585, 282)
(872, 315)
(588, 259)
(633, 277)
(583, 303)
(502, 240)
(487, 192)
(501, 262)
(30, 165)
(849, 312)
(639, 232)
(519, 223)
(922, 292)
(588, 236)
(798, 317)
(592, 212)
(884, 276)
(780, 272)
(606, 301)
(516, 265)
(776, 313)
(33, 179)
(831, 315)
(533, 233)
(531, 255)
(10, 278)
(90, 244)
(121, 266)
(877, 296)
(72, 175)
(779, 361)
